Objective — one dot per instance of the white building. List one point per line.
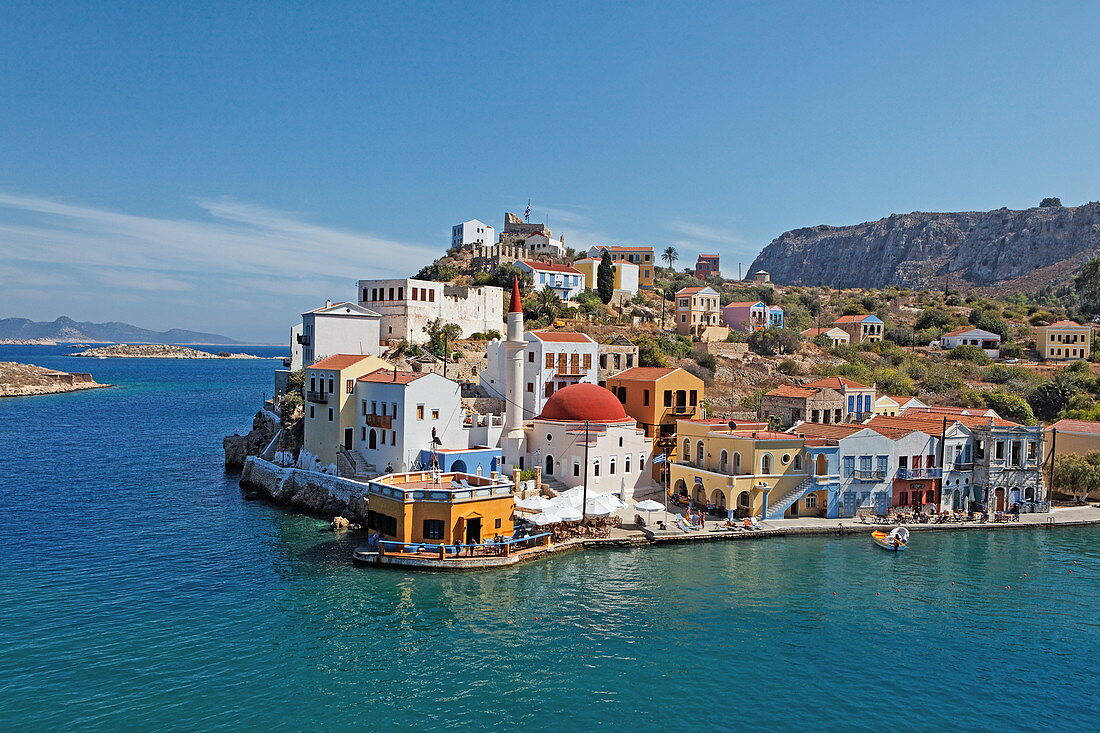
(616, 451)
(566, 281)
(337, 328)
(402, 413)
(552, 360)
(988, 342)
(407, 305)
(472, 233)
(540, 244)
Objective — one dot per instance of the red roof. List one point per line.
(389, 376)
(581, 402)
(1076, 426)
(645, 374)
(690, 291)
(624, 249)
(516, 306)
(551, 267)
(852, 319)
(339, 361)
(838, 383)
(834, 431)
(789, 390)
(1063, 324)
(565, 337)
(744, 303)
(817, 331)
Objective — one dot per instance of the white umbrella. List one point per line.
(544, 518)
(568, 514)
(570, 497)
(602, 505)
(649, 506)
(536, 503)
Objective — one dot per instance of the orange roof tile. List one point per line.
(551, 267)
(1064, 324)
(1076, 426)
(834, 431)
(789, 390)
(389, 376)
(338, 361)
(645, 374)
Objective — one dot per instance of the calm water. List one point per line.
(139, 591)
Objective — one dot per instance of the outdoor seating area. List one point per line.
(495, 547)
(946, 517)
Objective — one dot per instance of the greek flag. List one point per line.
(660, 458)
(527, 213)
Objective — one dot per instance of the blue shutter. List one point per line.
(851, 403)
(849, 466)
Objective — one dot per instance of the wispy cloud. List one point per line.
(707, 233)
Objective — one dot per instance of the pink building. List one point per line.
(752, 315)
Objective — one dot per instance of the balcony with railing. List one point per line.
(682, 409)
(378, 421)
(869, 475)
(919, 473)
(961, 466)
(318, 397)
(303, 339)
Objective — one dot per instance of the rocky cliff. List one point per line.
(1017, 250)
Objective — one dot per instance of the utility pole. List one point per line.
(1053, 448)
(446, 353)
(584, 491)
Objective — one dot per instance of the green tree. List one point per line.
(670, 255)
(1050, 398)
(1077, 475)
(440, 334)
(989, 320)
(932, 318)
(1087, 287)
(772, 341)
(438, 272)
(605, 277)
(1010, 407)
(1052, 202)
(969, 352)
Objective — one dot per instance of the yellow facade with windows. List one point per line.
(329, 394)
(740, 469)
(420, 507)
(1063, 341)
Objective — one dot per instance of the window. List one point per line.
(435, 414)
(737, 460)
(1032, 448)
(641, 462)
(496, 524)
(766, 464)
(611, 466)
(865, 464)
(626, 463)
(786, 458)
(849, 466)
(549, 389)
(331, 413)
(699, 453)
(596, 467)
(645, 397)
(576, 469)
(686, 453)
(311, 412)
(420, 412)
(811, 501)
(313, 384)
(531, 357)
(693, 397)
(531, 387)
(999, 450)
(903, 498)
(798, 461)
(433, 529)
(363, 433)
(587, 361)
(723, 460)
(393, 412)
(331, 385)
(903, 462)
(668, 398)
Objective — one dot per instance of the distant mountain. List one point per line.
(1010, 250)
(66, 329)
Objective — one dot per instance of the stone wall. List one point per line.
(723, 348)
(307, 491)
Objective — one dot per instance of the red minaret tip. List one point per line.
(517, 302)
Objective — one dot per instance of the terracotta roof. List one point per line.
(1064, 324)
(839, 383)
(818, 331)
(389, 376)
(933, 421)
(339, 361)
(1076, 426)
(744, 303)
(835, 431)
(789, 390)
(645, 374)
(551, 267)
(690, 291)
(624, 249)
(854, 319)
(762, 435)
(562, 337)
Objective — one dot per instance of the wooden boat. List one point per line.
(895, 541)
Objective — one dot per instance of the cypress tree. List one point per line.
(605, 278)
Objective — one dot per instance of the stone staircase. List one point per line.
(776, 510)
(352, 464)
(554, 484)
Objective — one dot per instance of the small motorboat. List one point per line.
(895, 541)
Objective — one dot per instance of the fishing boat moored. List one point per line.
(895, 541)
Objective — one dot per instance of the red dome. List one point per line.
(580, 402)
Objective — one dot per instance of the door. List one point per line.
(473, 530)
(349, 436)
(549, 465)
(999, 500)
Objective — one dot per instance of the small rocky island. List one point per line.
(20, 380)
(157, 351)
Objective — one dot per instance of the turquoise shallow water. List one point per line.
(139, 591)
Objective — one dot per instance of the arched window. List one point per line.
(685, 454)
(620, 441)
(736, 461)
(766, 463)
(372, 439)
(798, 461)
(723, 461)
(699, 453)
(596, 467)
(549, 465)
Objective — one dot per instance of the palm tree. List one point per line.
(670, 255)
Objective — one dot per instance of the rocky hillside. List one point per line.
(156, 351)
(27, 379)
(66, 330)
(1018, 250)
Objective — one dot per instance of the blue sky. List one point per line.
(224, 166)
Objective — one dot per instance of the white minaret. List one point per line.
(513, 439)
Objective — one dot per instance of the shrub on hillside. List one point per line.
(707, 361)
(1050, 398)
(932, 318)
(1010, 407)
(971, 353)
(941, 379)
(893, 381)
(772, 341)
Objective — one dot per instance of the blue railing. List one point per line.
(485, 548)
(911, 473)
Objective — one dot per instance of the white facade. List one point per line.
(552, 360)
(988, 342)
(566, 282)
(407, 305)
(617, 455)
(628, 277)
(540, 244)
(472, 233)
(399, 417)
(340, 328)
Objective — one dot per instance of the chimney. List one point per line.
(328, 303)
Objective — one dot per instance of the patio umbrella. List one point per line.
(536, 503)
(649, 506)
(602, 505)
(544, 518)
(567, 514)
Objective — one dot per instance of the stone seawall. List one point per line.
(310, 492)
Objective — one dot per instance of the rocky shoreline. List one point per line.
(158, 351)
(25, 380)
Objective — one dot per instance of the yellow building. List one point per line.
(640, 256)
(627, 275)
(699, 314)
(329, 424)
(755, 473)
(446, 508)
(1079, 437)
(1063, 341)
(657, 397)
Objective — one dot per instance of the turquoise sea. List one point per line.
(139, 591)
